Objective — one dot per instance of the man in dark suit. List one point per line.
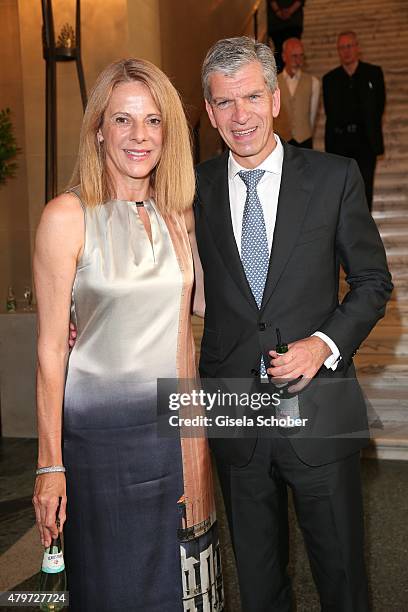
(354, 100)
(273, 223)
(285, 20)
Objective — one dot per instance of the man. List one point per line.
(299, 97)
(354, 100)
(273, 222)
(285, 19)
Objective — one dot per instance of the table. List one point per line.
(18, 358)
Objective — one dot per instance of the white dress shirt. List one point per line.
(268, 193)
(292, 83)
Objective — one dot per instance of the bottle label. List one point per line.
(53, 563)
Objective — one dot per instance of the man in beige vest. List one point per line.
(299, 97)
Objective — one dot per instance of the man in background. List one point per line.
(285, 20)
(299, 97)
(354, 100)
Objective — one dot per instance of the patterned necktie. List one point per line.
(254, 242)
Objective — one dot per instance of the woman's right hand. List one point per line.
(48, 489)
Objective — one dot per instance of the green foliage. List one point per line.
(8, 147)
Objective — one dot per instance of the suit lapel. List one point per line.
(294, 195)
(218, 213)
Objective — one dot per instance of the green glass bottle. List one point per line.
(281, 347)
(289, 406)
(11, 301)
(53, 577)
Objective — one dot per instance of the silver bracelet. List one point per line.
(50, 469)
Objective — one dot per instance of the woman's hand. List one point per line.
(48, 490)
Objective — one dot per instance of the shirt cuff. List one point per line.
(333, 359)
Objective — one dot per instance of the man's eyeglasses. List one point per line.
(344, 47)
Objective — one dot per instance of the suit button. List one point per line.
(254, 372)
(261, 326)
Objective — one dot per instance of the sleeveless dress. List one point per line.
(141, 533)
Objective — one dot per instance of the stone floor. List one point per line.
(385, 492)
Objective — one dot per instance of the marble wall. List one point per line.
(144, 19)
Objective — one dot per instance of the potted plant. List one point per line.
(8, 147)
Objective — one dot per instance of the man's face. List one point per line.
(293, 56)
(348, 50)
(242, 109)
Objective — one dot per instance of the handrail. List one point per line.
(253, 15)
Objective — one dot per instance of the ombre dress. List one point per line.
(140, 533)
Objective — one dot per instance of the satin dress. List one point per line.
(141, 532)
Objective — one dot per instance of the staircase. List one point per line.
(382, 361)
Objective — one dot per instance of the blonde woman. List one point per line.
(113, 256)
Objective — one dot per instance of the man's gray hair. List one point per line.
(231, 54)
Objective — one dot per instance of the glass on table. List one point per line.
(28, 299)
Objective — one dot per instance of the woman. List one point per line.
(113, 256)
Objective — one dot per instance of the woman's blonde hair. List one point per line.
(172, 180)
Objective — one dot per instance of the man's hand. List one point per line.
(293, 8)
(285, 13)
(303, 359)
(72, 335)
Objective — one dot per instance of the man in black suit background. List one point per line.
(354, 100)
(305, 212)
(285, 20)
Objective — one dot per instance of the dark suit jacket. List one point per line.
(322, 221)
(275, 23)
(371, 93)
